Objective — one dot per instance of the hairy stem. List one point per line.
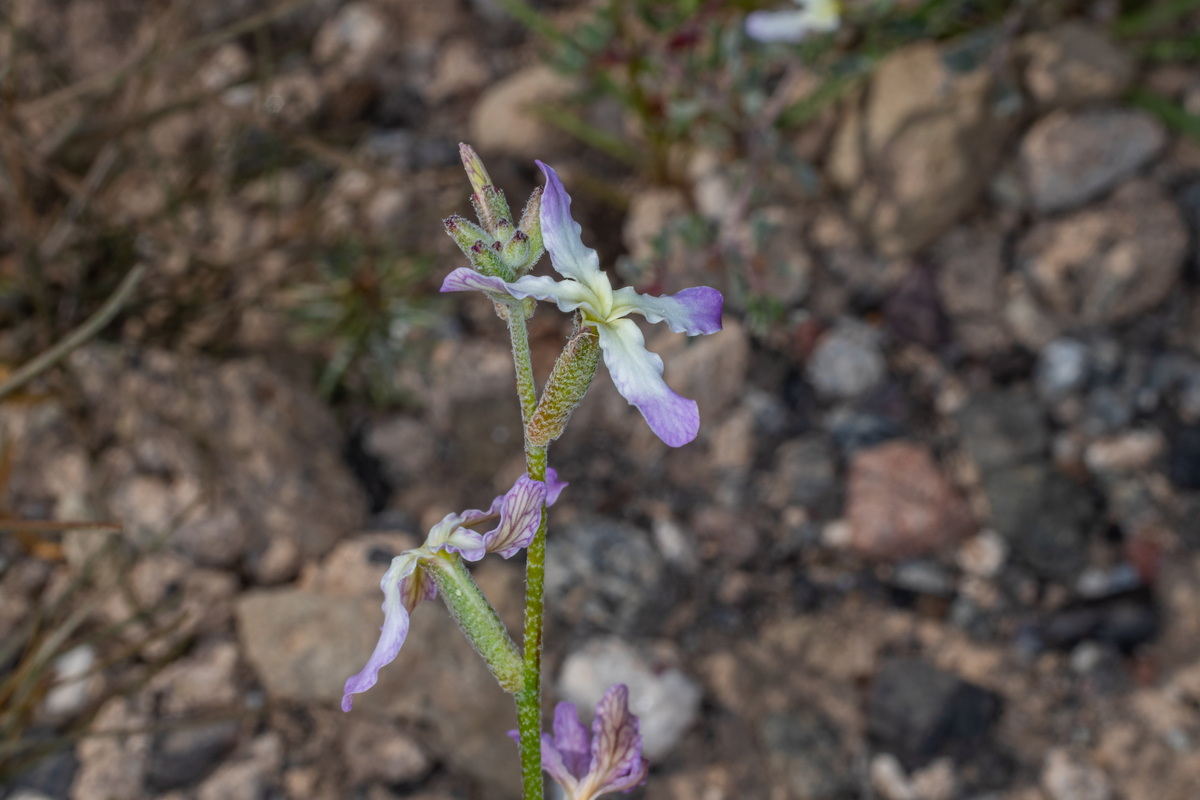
(529, 699)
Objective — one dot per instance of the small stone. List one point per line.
(1062, 367)
(918, 713)
(1074, 63)
(806, 755)
(1070, 157)
(650, 212)
(607, 574)
(1127, 452)
(1183, 459)
(248, 778)
(114, 765)
(354, 40)
(1065, 778)
(1044, 516)
(804, 473)
(847, 362)
(665, 700)
(73, 686)
(1108, 263)
(899, 504)
(375, 751)
(1001, 429)
(970, 267)
(983, 555)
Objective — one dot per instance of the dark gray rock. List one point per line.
(189, 752)
(806, 755)
(608, 575)
(804, 473)
(1044, 516)
(1002, 429)
(918, 713)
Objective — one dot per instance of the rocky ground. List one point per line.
(939, 537)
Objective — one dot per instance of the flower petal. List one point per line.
(617, 763)
(465, 279)
(562, 235)
(394, 630)
(554, 486)
(451, 536)
(691, 311)
(818, 16)
(637, 374)
(520, 516)
(571, 743)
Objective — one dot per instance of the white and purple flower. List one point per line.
(637, 373)
(816, 16)
(608, 760)
(518, 511)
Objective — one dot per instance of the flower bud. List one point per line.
(464, 233)
(531, 225)
(489, 202)
(568, 383)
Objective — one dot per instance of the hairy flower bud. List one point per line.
(489, 201)
(568, 383)
(464, 233)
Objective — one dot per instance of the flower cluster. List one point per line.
(637, 373)
(517, 512)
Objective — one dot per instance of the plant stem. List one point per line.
(529, 699)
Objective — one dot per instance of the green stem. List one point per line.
(477, 618)
(529, 699)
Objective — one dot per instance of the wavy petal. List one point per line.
(637, 374)
(691, 311)
(465, 279)
(554, 486)
(451, 536)
(562, 235)
(617, 763)
(393, 632)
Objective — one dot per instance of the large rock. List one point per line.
(1105, 264)
(1071, 157)
(234, 465)
(505, 118)
(920, 149)
(304, 644)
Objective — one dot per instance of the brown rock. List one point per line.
(1072, 64)
(1109, 263)
(503, 121)
(1070, 157)
(899, 505)
(921, 148)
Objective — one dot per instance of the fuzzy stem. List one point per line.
(529, 699)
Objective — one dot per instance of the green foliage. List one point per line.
(362, 313)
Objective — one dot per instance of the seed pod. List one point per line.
(568, 383)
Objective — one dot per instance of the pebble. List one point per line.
(1065, 778)
(665, 700)
(1074, 63)
(1062, 368)
(1071, 157)
(806, 755)
(847, 362)
(918, 713)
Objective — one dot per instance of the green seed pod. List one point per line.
(568, 383)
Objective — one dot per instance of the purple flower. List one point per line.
(609, 760)
(636, 371)
(518, 512)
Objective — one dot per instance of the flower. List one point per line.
(816, 16)
(610, 760)
(636, 371)
(519, 511)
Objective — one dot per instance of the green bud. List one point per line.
(490, 205)
(531, 224)
(568, 383)
(486, 260)
(464, 233)
(516, 250)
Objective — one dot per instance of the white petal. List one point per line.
(563, 240)
(692, 311)
(637, 374)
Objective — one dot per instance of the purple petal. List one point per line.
(554, 486)
(451, 536)
(637, 374)
(562, 235)
(394, 630)
(465, 279)
(520, 516)
(617, 763)
(571, 741)
(691, 311)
